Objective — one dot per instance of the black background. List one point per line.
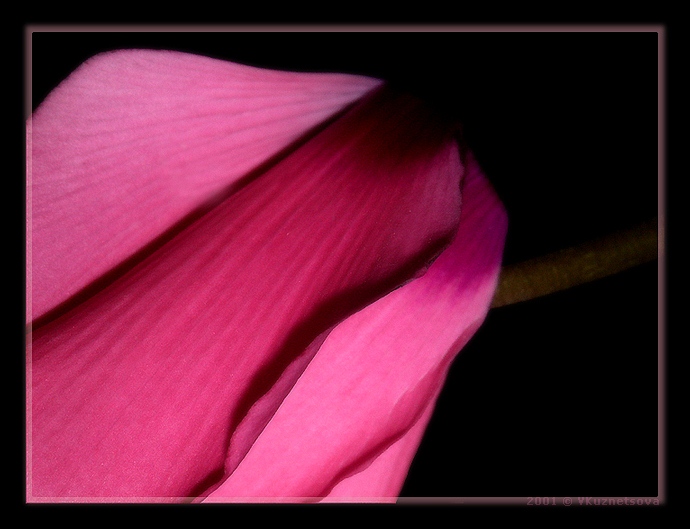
(555, 396)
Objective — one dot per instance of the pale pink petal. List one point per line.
(350, 426)
(383, 479)
(136, 140)
(139, 391)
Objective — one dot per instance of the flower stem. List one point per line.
(580, 264)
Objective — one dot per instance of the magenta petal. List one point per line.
(135, 140)
(350, 426)
(162, 384)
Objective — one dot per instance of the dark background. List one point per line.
(555, 396)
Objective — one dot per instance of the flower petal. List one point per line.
(138, 391)
(136, 140)
(350, 426)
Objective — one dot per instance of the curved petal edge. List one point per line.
(350, 427)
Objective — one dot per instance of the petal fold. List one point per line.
(350, 426)
(135, 141)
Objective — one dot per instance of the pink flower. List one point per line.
(245, 285)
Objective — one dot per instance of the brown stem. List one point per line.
(581, 264)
